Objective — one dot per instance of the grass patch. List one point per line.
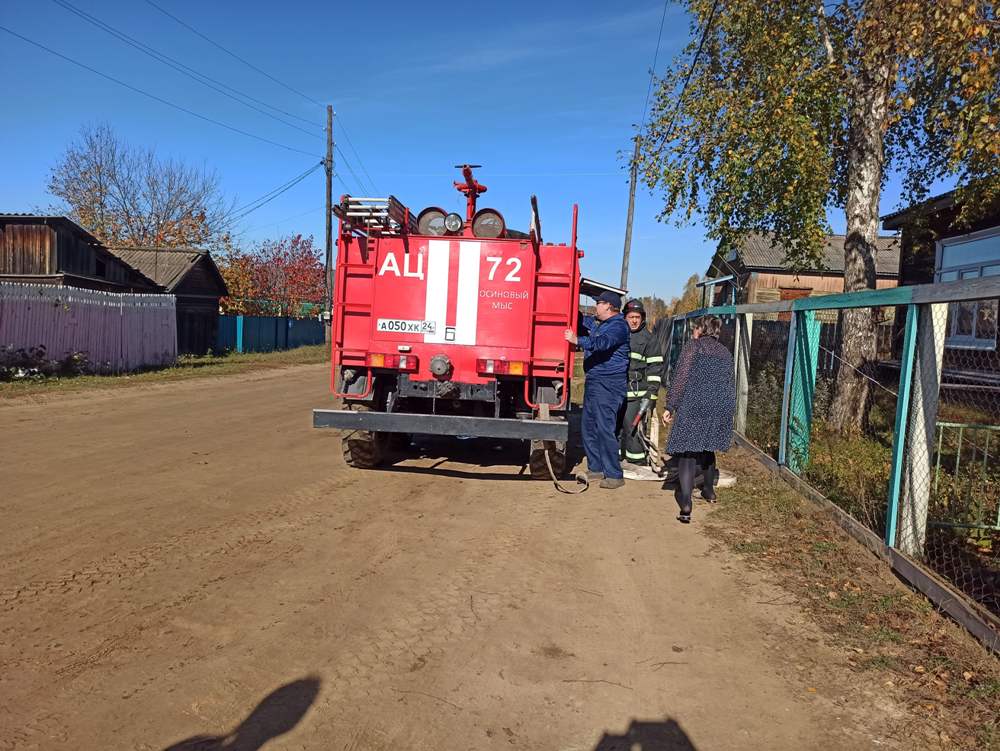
(750, 547)
(881, 662)
(187, 367)
(889, 634)
(987, 690)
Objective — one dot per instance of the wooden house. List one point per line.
(935, 249)
(56, 250)
(192, 276)
(758, 271)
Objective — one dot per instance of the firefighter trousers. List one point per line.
(602, 400)
(632, 448)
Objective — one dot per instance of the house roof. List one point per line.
(757, 252)
(168, 266)
(930, 206)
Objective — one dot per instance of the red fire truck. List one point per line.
(451, 325)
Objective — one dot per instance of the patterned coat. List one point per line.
(702, 398)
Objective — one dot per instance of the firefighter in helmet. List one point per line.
(644, 379)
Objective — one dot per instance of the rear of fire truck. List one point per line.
(450, 325)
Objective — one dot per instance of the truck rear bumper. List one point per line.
(482, 427)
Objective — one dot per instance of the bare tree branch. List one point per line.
(128, 196)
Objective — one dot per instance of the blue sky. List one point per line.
(545, 96)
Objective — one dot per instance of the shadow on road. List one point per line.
(438, 455)
(510, 457)
(277, 714)
(648, 736)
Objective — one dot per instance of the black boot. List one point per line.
(686, 467)
(711, 476)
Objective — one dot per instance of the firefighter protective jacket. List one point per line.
(645, 370)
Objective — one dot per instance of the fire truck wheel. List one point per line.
(365, 449)
(536, 459)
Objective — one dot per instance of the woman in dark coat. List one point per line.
(701, 405)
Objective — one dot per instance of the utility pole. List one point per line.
(328, 164)
(631, 209)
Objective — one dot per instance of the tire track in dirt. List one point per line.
(425, 626)
(130, 630)
(114, 568)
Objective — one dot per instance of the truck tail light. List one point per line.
(502, 367)
(392, 362)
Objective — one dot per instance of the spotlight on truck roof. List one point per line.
(488, 223)
(430, 221)
(453, 222)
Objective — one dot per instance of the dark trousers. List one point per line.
(632, 447)
(689, 463)
(602, 399)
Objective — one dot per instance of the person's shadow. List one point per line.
(648, 736)
(277, 714)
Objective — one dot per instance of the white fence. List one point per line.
(117, 332)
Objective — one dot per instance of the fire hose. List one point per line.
(652, 452)
(580, 479)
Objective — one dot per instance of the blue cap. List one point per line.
(612, 299)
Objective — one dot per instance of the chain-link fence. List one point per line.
(950, 510)
(887, 403)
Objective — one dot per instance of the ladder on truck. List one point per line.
(384, 215)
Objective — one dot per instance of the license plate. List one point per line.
(400, 326)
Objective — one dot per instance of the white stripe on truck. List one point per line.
(436, 305)
(467, 310)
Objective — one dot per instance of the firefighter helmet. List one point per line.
(634, 306)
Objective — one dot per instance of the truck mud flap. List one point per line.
(481, 427)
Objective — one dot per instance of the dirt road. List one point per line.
(191, 566)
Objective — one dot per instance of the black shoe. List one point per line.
(708, 485)
(684, 518)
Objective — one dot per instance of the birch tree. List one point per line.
(779, 111)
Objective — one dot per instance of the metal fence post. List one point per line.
(787, 389)
(744, 334)
(899, 433)
(800, 408)
(918, 469)
(239, 334)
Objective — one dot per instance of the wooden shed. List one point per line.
(192, 276)
(56, 250)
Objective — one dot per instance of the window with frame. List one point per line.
(971, 324)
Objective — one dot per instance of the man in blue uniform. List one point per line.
(605, 363)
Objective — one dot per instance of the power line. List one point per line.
(251, 207)
(154, 96)
(355, 152)
(186, 70)
(652, 69)
(687, 79)
(232, 54)
(341, 180)
(351, 169)
(282, 221)
(269, 76)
